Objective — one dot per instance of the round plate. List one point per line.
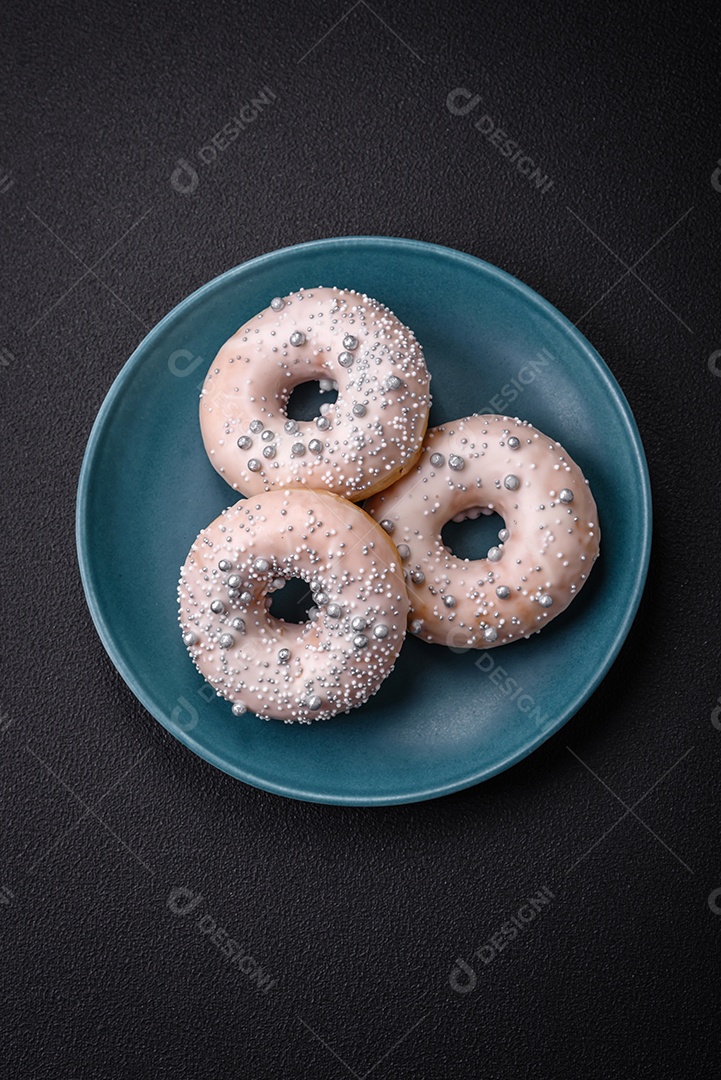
(443, 720)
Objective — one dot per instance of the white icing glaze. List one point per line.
(349, 563)
(544, 561)
(383, 377)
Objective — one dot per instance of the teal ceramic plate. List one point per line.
(443, 720)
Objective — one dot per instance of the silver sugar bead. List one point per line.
(404, 552)
(290, 426)
(245, 597)
(380, 631)
(235, 581)
(226, 641)
(449, 601)
(503, 592)
(283, 656)
(217, 607)
(350, 342)
(494, 554)
(322, 423)
(297, 339)
(503, 535)
(545, 600)
(511, 482)
(394, 383)
(359, 410)
(513, 443)
(267, 435)
(239, 709)
(333, 611)
(358, 623)
(269, 452)
(254, 465)
(314, 703)
(256, 426)
(315, 446)
(277, 303)
(416, 626)
(297, 449)
(360, 641)
(566, 496)
(189, 638)
(345, 359)
(245, 442)
(261, 566)
(417, 577)
(225, 566)
(388, 525)
(238, 625)
(490, 633)
(437, 460)
(456, 462)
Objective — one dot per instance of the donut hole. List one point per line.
(472, 537)
(306, 399)
(291, 603)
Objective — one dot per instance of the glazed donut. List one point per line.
(311, 671)
(549, 542)
(367, 439)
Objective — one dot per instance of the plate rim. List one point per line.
(125, 670)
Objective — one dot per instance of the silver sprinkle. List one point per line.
(380, 631)
(314, 703)
(359, 410)
(283, 656)
(239, 709)
(321, 599)
(358, 623)
(437, 460)
(245, 442)
(345, 359)
(490, 633)
(456, 462)
(394, 383)
(315, 446)
(297, 339)
(233, 594)
(218, 607)
(566, 496)
(226, 641)
(350, 342)
(235, 581)
(503, 592)
(333, 611)
(545, 600)
(238, 625)
(245, 597)
(313, 613)
(277, 303)
(388, 525)
(360, 641)
(417, 576)
(225, 566)
(326, 384)
(449, 601)
(297, 449)
(416, 626)
(269, 452)
(494, 554)
(261, 566)
(290, 426)
(267, 435)
(322, 423)
(254, 465)
(503, 535)
(256, 426)
(513, 443)
(511, 482)
(189, 638)
(404, 551)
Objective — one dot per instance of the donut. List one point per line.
(281, 670)
(368, 438)
(550, 538)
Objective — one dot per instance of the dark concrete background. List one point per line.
(358, 917)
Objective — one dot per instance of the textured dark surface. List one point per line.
(359, 916)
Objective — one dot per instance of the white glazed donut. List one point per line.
(311, 671)
(358, 445)
(549, 542)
